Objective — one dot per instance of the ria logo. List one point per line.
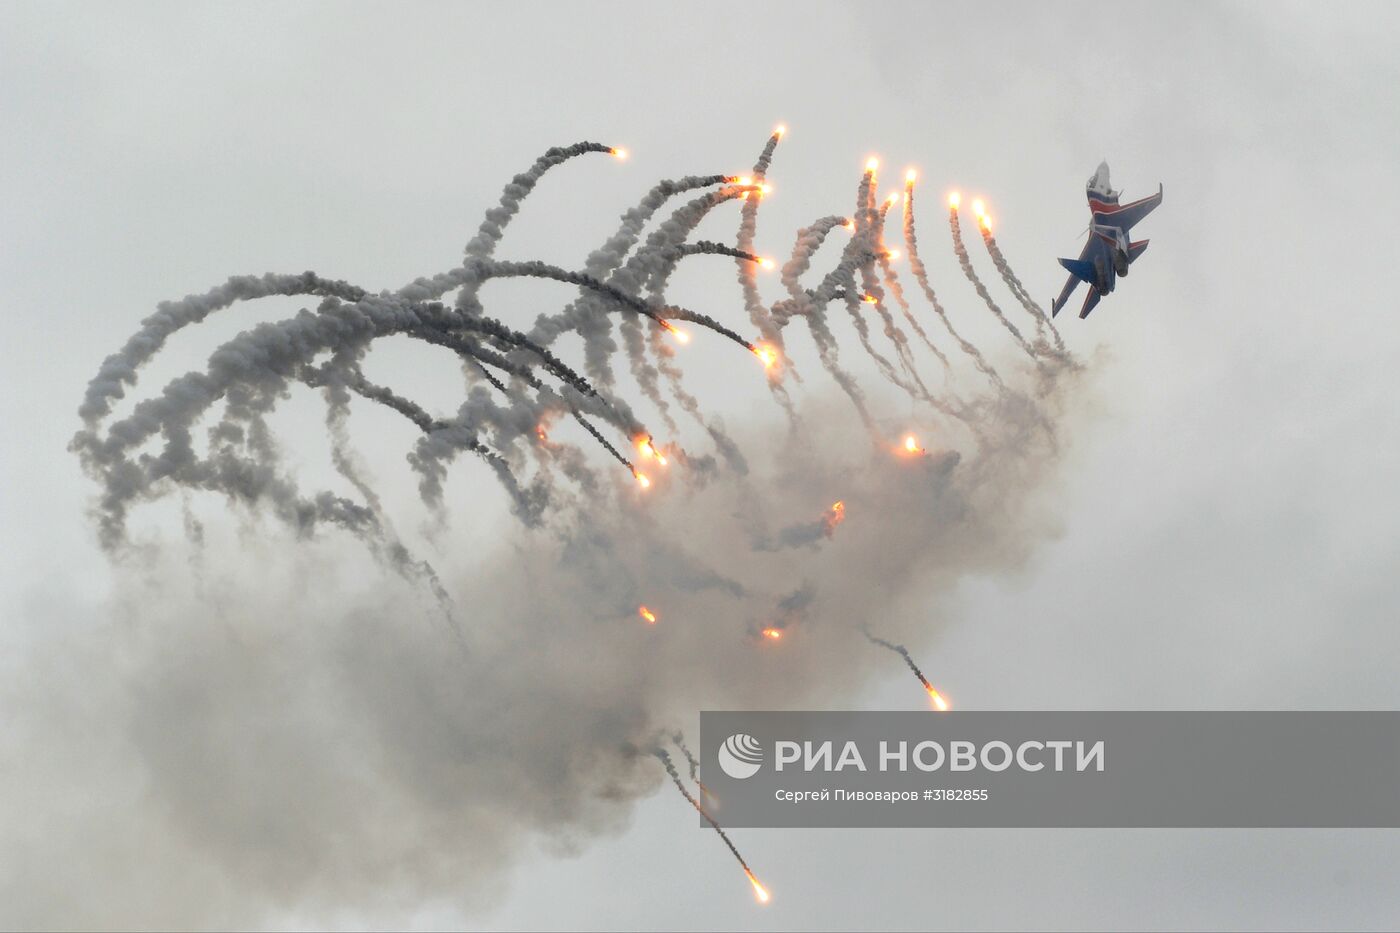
(740, 756)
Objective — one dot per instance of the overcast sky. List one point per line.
(1226, 509)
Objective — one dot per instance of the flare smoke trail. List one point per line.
(1042, 319)
(903, 652)
(966, 262)
(759, 889)
(694, 765)
(289, 635)
(916, 265)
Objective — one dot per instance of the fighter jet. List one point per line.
(1109, 252)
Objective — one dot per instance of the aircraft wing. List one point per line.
(1126, 215)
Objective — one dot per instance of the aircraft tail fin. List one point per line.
(1135, 249)
(1081, 270)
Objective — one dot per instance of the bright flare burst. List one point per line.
(767, 354)
(642, 479)
(834, 516)
(767, 263)
(978, 207)
(937, 698)
(872, 164)
(909, 176)
(759, 891)
(648, 449)
(650, 616)
(953, 200)
(619, 152)
(772, 634)
(911, 444)
(680, 335)
(779, 130)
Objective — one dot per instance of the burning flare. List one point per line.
(937, 698)
(780, 129)
(772, 634)
(642, 479)
(647, 448)
(650, 616)
(872, 164)
(909, 176)
(767, 263)
(911, 445)
(619, 152)
(834, 516)
(680, 335)
(953, 200)
(767, 354)
(759, 891)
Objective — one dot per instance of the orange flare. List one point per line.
(834, 516)
(648, 449)
(869, 299)
(759, 891)
(953, 200)
(746, 180)
(779, 130)
(674, 331)
(764, 188)
(911, 444)
(642, 479)
(541, 433)
(937, 698)
(872, 164)
(893, 196)
(619, 152)
(650, 616)
(772, 634)
(978, 207)
(849, 225)
(909, 176)
(986, 221)
(767, 354)
(767, 263)
(892, 254)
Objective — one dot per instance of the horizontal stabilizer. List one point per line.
(1081, 270)
(1135, 249)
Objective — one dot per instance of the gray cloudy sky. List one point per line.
(1226, 511)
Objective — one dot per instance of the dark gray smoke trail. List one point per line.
(493, 226)
(903, 652)
(734, 850)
